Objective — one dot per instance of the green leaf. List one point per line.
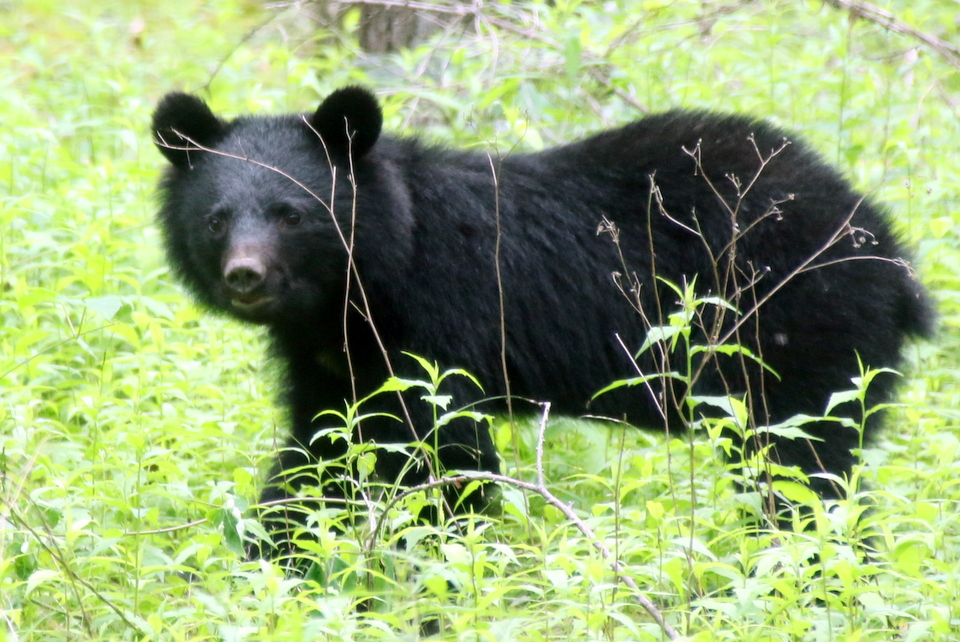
(105, 306)
(843, 397)
(795, 491)
(441, 401)
(43, 576)
(732, 406)
(571, 56)
(661, 334)
(636, 381)
(227, 520)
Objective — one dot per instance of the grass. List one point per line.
(133, 428)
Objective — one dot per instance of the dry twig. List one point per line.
(888, 21)
(541, 489)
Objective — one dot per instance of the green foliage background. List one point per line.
(132, 428)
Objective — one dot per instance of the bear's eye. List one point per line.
(291, 219)
(215, 224)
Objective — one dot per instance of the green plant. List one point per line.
(133, 429)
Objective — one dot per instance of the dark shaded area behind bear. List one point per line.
(249, 228)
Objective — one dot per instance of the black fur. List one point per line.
(249, 228)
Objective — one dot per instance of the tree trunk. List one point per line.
(389, 29)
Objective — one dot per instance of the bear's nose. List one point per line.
(244, 274)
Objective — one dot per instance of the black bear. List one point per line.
(354, 247)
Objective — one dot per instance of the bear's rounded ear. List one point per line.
(348, 121)
(181, 122)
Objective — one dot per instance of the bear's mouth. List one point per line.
(250, 302)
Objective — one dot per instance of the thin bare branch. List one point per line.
(890, 22)
(541, 489)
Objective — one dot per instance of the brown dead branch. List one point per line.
(888, 21)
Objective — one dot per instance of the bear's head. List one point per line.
(259, 214)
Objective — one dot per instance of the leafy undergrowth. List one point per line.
(133, 429)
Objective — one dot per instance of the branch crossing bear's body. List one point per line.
(816, 274)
